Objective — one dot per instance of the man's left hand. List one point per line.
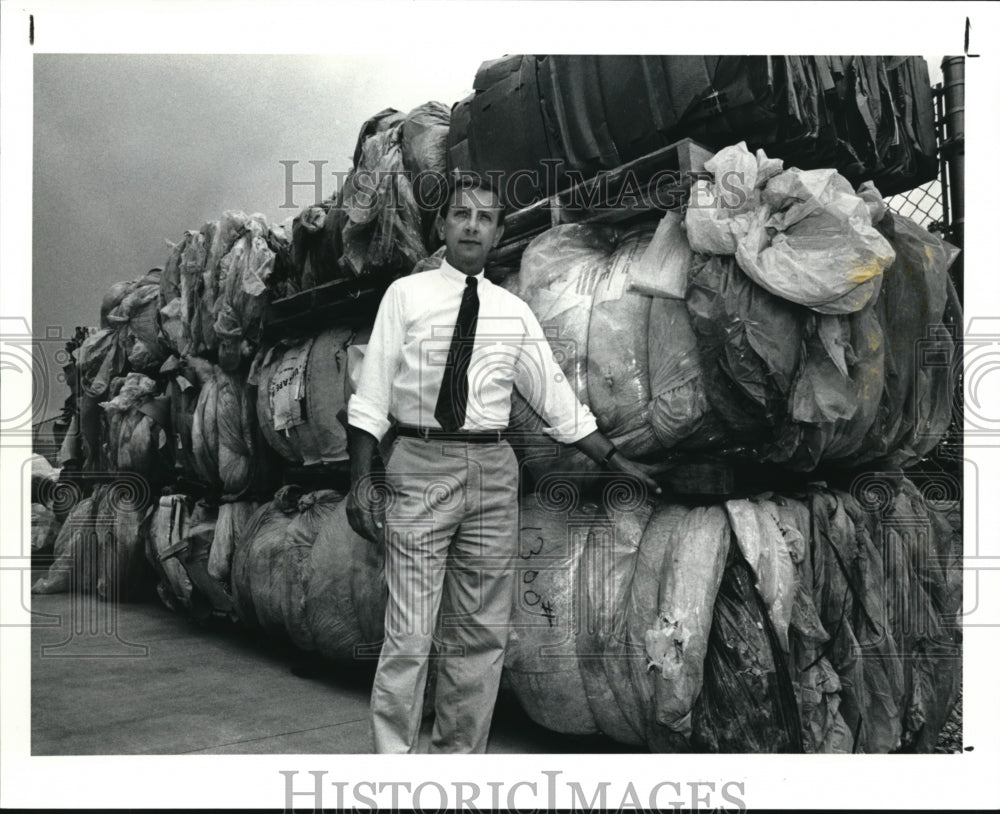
(619, 463)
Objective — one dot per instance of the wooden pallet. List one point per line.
(338, 303)
(656, 182)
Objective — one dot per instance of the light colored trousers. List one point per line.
(451, 539)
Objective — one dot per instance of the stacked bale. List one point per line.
(756, 625)
(99, 546)
(735, 370)
(380, 223)
(299, 571)
(214, 286)
(302, 395)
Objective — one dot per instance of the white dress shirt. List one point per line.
(406, 356)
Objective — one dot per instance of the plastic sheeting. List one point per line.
(689, 581)
(747, 703)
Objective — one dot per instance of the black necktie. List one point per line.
(454, 393)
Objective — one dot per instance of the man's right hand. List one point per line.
(365, 510)
(365, 505)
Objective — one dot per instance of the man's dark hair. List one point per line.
(470, 180)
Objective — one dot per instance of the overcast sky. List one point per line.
(132, 150)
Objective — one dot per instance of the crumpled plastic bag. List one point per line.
(662, 271)
(719, 211)
(100, 358)
(824, 252)
(137, 318)
(804, 235)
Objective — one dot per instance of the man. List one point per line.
(446, 349)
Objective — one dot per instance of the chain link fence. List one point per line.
(924, 205)
(928, 206)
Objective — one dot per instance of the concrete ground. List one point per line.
(138, 679)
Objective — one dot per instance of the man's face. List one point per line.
(471, 228)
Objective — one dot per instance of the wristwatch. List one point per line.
(606, 460)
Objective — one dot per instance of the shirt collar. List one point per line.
(451, 273)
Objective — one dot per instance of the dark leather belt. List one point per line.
(429, 434)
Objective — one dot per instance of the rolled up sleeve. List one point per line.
(368, 408)
(543, 385)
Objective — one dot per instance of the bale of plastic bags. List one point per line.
(137, 318)
(804, 235)
(184, 379)
(44, 530)
(122, 571)
(922, 556)
(734, 369)
(71, 566)
(301, 394)
(345, 591)
(100, 358)
(239, 306)
(606, 635)
(386, 226)
(629, 356)
(213, 287)
(920, 360)
(768, 624)
(228, 453)
(99, 548)
(317, 244)
(179, 529)
(274, 569)
(425, 157)
(232, 520)
(137, 420)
